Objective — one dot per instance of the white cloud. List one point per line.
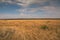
(24, 2)
(49, 11)
(8, 15)
(22, 14)
(29, 10)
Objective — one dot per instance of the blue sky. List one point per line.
(29, 9)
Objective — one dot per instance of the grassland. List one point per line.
(29, 29)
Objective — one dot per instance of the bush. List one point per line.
(44, 27)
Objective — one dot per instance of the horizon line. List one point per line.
(31, 19)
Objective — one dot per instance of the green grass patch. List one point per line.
(44, 27)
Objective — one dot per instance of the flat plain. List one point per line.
(29, 29)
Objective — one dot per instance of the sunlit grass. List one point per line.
(29, 29)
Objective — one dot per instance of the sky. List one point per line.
(29, 9)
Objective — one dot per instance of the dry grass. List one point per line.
(29, 29)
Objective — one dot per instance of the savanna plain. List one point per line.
(29, 29)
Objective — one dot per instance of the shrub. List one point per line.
(44, 27)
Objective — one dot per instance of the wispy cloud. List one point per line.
(28, 2)
(35, 8)
(24, 2)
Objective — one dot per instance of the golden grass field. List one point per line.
(29, 29)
